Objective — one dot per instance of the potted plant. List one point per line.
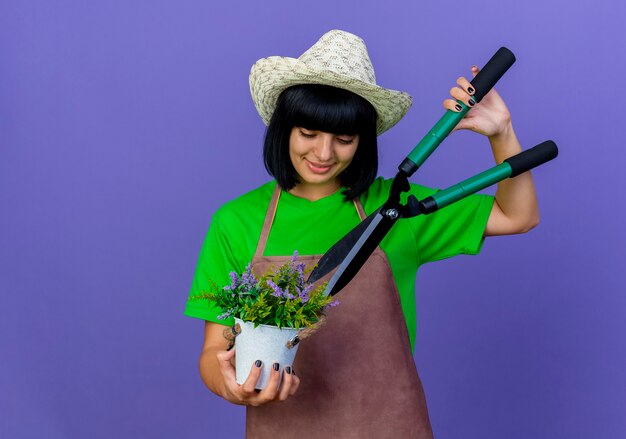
(269, 312)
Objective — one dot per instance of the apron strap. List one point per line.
(271, 213)
(359, 208)
(267, 224)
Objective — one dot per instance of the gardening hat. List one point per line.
(338, 59)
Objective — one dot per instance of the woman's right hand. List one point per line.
(245, 394)
(217, 370)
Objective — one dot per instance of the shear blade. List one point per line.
(351, 252)
(337, 253)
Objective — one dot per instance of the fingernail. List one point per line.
(458, 107)
(288, 370)
(258, 363)
(470, 90)
(472, 101)
(276, 366)
(230, 347)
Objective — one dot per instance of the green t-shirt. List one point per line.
(312, 227)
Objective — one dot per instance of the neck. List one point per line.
(314, 192)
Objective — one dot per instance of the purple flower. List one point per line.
(300, 270)
(278, 292)
(247, 279)
(304, 294)
(234, 279)
(294, 258)
(234, 282)
(331, 304)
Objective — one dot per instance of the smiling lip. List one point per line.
(319, 168)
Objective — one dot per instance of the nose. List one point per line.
(324, 148)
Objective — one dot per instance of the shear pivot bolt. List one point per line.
(391, 214)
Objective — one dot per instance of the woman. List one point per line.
(356, 376)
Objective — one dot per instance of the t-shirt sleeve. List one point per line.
(455, 229)
(215, 262)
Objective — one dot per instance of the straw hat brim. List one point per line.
(270, 76)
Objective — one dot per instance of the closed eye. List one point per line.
(307, 135)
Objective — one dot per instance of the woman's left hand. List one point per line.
(515, 209)
(490, 117)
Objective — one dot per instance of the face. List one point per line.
(319, 157)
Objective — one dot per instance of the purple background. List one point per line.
(125, 124)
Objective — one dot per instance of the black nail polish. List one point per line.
(458, 107)
(276, 366)
(470, 90)
(472, 101)
(258, 363)
(288, 370)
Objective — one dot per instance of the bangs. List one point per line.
(329, 109)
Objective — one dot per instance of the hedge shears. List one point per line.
(350, 253)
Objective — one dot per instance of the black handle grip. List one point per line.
(492, 72)
(533, 157)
